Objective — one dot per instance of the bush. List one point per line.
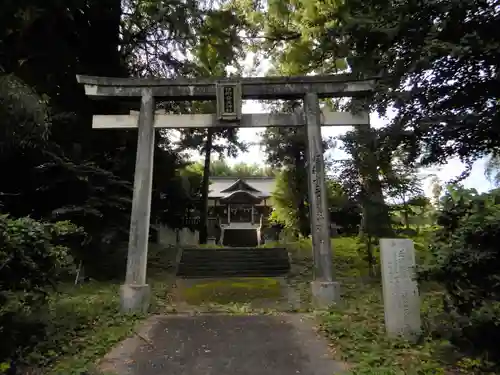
(466, 261)
(106, 262)
(33, 258)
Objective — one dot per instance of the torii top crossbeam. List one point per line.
(340, 85)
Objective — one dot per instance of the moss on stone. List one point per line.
(233, 290)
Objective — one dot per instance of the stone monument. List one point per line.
(400, 289)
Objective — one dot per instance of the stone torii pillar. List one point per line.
(135, 293)
(325, 290)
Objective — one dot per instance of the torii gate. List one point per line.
(228, 93)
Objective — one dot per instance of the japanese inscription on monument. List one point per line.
(400, 290)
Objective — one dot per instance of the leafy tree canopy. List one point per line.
(438, 63)
(492, 170)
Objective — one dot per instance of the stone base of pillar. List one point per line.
(221, 239)
(325, 293)
(135, 298)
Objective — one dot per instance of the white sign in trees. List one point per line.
(400, 289)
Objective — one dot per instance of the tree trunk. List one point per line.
(302, 180)
(205, 187)
(406, 216)
(304, 222)
(378, 220)
(369, 257)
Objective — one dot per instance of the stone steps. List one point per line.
(233, 262)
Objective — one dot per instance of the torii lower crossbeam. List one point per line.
(255, 120)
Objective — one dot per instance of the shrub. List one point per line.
(33, 257)
(466, 261)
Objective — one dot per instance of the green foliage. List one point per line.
(361, 179)
(233, 290)
(289, 208)
(437, 61)
(252, 170)
(33, 257)
(300, 29)
(466, 261)
(357, 332)
(413, 216)
(23, 114)
(287, 211)
(344, 211)
(33, 254)
(151, 29)
(347, 261)
(356, 327)
(492, 170)
(402, 181)
(92, 325)
(42, 106)
(68, 329)
(286, 150)
(220, 168)
(218, 46)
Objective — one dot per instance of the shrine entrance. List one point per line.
(240, 213)
(228, 94)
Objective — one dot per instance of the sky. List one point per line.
(445, 173)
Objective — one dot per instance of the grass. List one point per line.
(234, 290)
(356, 328)
(249, 296)
(209, 246)
(85, 324)
(357, 331)
(84, 321)
(348, 263)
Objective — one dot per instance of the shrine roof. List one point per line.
(240, 196)
(261, 187)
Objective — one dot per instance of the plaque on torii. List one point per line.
(229, 101)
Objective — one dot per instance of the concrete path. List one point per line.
(224, 345)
